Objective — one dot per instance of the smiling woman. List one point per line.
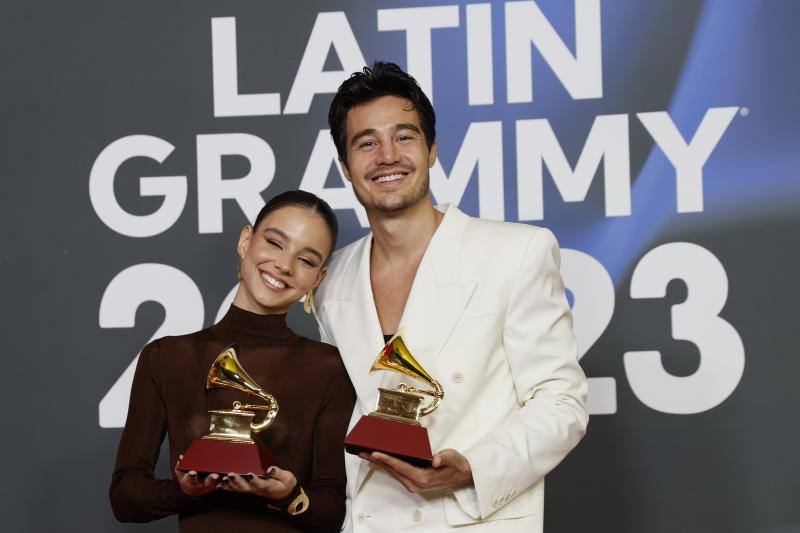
(283, 257)
(284, 254)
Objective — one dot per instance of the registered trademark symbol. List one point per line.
(744, 111)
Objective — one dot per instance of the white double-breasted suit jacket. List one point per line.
(488, 318)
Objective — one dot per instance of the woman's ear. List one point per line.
(244, 240)
(321, 275)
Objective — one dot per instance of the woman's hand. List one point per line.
(191, 484)
(279, 485)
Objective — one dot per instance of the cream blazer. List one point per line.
(487, 317)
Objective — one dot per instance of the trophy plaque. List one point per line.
(393, 427)
(229, 446)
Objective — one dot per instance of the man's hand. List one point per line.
(191, 484)
(450, 470)
(277, 486)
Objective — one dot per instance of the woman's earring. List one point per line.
(239, 269)
(308, 305)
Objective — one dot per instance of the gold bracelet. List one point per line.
(299, 505)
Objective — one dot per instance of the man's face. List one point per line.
(387, 155)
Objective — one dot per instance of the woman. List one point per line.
(283, 257)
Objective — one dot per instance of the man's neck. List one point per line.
(403, 237)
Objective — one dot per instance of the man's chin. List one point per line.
(395, 204)
(392, 207)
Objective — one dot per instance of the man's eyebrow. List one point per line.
(396, 127)
(406, 126)
(283, 235)
(362, 133)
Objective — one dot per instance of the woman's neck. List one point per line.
(248, 328)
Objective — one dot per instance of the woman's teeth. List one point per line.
(393, 177)
(272, 282)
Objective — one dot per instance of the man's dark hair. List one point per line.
(383, 79)
(302, 199)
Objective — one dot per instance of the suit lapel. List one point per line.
(434, 307)
(359, 339)
(437, 297)
(358, 332)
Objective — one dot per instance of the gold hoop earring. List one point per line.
(308, 305)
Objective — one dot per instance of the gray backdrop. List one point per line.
(702, 439)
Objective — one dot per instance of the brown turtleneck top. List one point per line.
(168, 398)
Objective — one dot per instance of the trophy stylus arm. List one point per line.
(437, 393)
(269, 418)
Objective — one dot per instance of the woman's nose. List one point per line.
(283, 265)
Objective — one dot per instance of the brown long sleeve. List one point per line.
(136, 495)
(168, 399)
(326, 491)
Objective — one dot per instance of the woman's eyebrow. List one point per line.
(312, 251)
(285, 237)
(280, 233)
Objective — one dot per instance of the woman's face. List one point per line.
(282, 259)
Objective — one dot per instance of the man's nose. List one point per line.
(387, 153)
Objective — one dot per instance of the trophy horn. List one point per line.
(227, 373)
(396, 357)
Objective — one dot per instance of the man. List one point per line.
(482, 308)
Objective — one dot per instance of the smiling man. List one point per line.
(482, 308)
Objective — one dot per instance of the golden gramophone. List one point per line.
(229, 446)
(393, 427)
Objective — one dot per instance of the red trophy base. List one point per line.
(222, 457)
(399, 439)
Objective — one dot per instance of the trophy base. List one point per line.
(207, 456)
(398, 439)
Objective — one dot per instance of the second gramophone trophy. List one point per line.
(229, 446)
(393, 427)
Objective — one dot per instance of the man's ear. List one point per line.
(244, 240)
(345, 170)
(432, 155)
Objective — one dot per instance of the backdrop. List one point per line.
(658, 140)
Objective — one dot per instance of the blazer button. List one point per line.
(361, 517)
(416, 516)
(457, 377)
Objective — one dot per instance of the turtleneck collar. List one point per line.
(248, 328)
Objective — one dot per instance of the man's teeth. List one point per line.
(393, 177)
(272, 281)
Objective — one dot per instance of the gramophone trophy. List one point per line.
(229, 446)
(393, 427)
